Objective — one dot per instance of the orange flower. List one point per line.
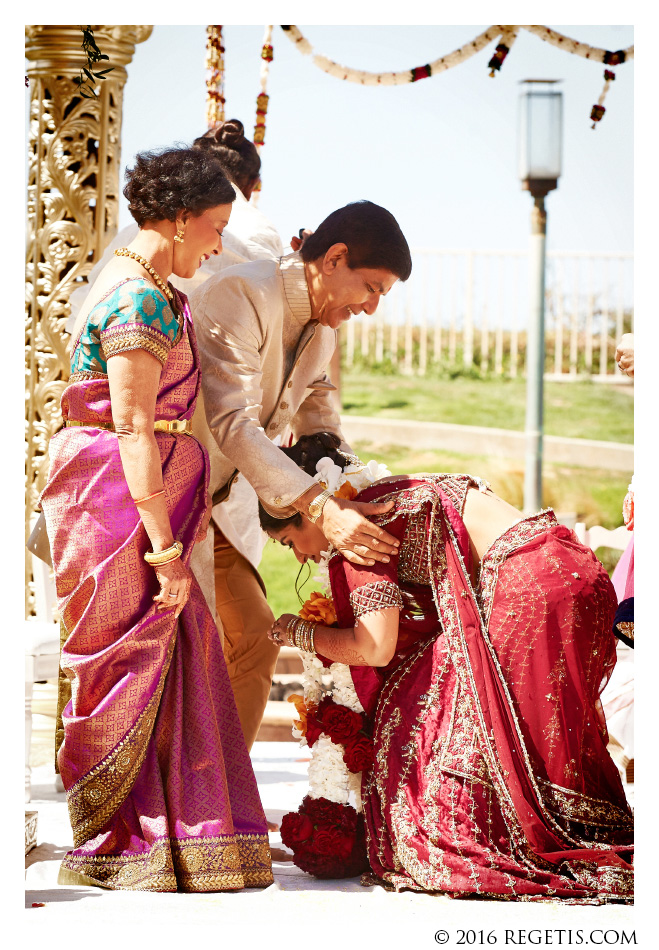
(346, 491)
(303, 712)
(318, 609)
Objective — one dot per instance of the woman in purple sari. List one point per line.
(160, 788)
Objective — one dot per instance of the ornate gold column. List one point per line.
(73, 190)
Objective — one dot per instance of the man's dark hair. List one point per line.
(371, 234)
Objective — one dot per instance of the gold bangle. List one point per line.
(140, 501)
(164, 557)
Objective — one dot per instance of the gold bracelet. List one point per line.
(164, 557)
(303, 635)
(140, 501)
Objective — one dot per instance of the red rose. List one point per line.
(349, 821)
(360, 754)
(295, 829)
(321, 811)
(334, 866)
(330, 841)
(320, 865)
(314, 729)
(339, 722)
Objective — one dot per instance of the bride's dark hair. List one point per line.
(306, 453)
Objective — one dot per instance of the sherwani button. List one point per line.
(284, 405)
(278, 501)
(289, 383)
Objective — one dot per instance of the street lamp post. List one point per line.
(540, 145)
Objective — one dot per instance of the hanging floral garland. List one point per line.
(267, 55)
(326, 834)
(395, 78)
(506, 35)
(214, 77)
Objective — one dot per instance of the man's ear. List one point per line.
(334, 255)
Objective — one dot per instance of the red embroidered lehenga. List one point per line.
(491, 776)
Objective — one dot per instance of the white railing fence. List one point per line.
(468, 309)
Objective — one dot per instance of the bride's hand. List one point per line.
(277, 632)
(345, 524)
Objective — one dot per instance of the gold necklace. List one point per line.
(159, 282)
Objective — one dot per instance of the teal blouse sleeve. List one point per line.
(133, 316)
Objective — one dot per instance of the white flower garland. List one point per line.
(506, 35)
(329, 776)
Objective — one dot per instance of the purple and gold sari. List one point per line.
(160, 787)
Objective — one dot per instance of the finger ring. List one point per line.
(170, 594)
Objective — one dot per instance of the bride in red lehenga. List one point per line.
(479, 654)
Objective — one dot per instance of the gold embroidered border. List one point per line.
(217, 863)
(626, 627)
(377, 596)
(97, 795)
(132, 336)
(82, 375)
(574, 806)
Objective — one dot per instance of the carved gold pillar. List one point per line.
(73, 191)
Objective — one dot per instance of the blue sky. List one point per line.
(441, 153)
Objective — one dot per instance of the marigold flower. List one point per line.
(303, 709)
(318, 609)
(346, 491)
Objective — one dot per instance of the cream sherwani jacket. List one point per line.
(263, 364)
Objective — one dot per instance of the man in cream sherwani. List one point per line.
(266, 333)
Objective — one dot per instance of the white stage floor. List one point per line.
(297, 911)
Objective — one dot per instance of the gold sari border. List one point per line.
(214, 863)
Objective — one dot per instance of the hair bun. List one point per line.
(231, 134)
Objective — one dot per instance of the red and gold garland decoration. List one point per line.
(215, 77)
(506, 36)
(267, 55)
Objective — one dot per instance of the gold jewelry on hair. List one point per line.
(179, 236)
(140, 501)
(171, 553)
(149, 268)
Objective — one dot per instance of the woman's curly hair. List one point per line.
(162, 184)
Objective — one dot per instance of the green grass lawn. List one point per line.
(594, 495)
(580, 410)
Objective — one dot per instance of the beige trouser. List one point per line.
(246, 619)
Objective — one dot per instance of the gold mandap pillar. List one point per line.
(72, 210)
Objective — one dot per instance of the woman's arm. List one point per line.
(371, 642)
(133, 378)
